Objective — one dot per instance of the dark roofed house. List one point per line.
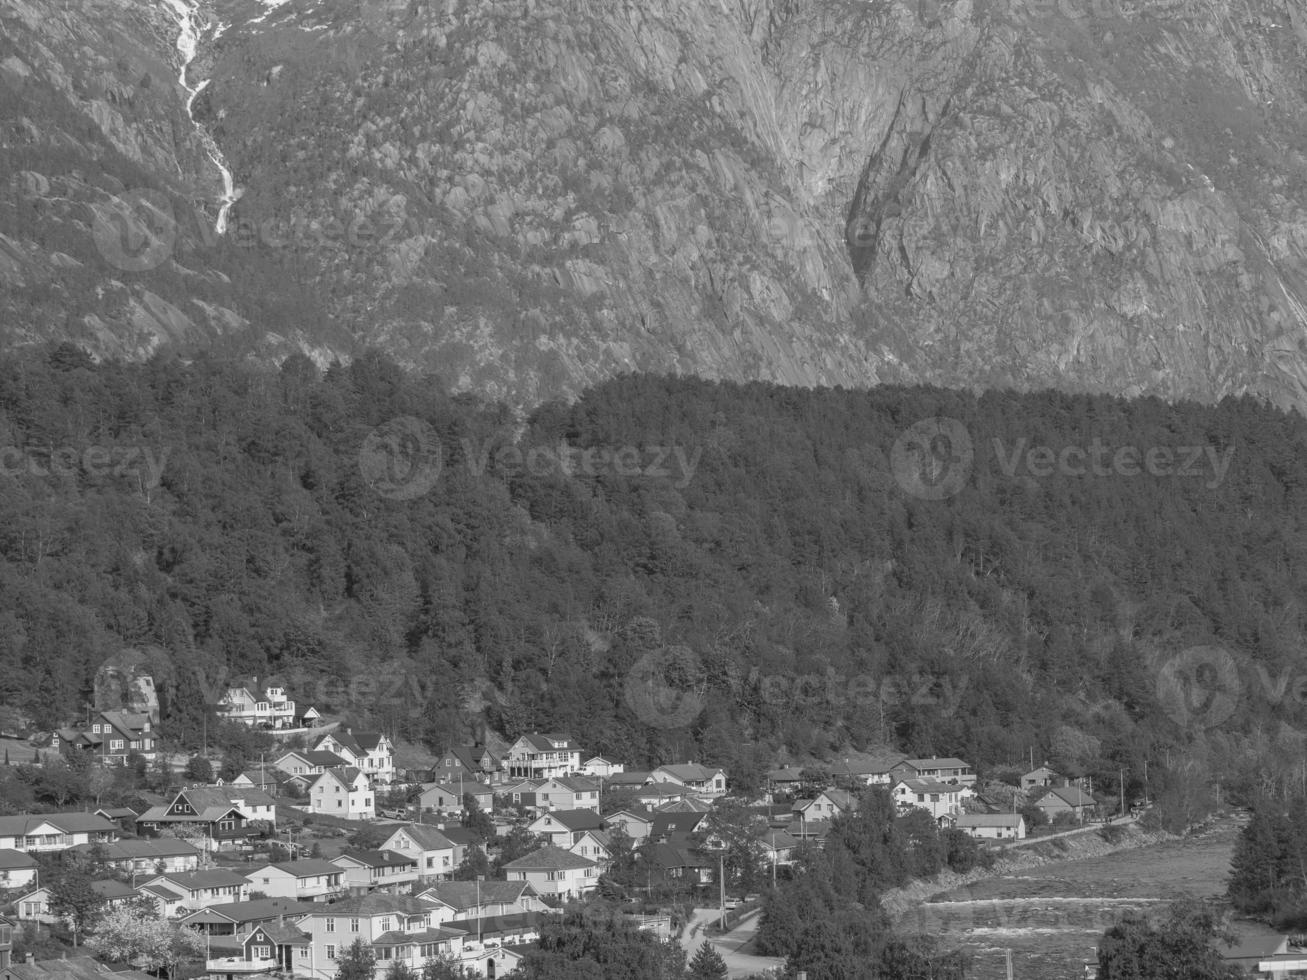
(69, 968)
(565, 827)
(671, 828)
(676, 862)
(554, 871)
(1058, 800)
(236, 918)
(17, 869)
(110, 738)
(388, 870)
(55, 831)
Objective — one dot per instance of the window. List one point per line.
(331, 951)
(330, 926)
(385, 923)
(262, 952)
(353, 925)
(96, 728)
(116, 743)
(431, 862)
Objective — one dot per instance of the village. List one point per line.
(285, 865)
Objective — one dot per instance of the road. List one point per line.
(733, 947)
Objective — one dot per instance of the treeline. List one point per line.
(1268, 871)
(215, 516)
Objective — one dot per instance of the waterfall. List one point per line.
(188, 42)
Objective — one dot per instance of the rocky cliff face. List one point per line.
(524, 196)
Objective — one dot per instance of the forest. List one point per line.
(759, 543)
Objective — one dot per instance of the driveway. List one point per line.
(735, 947)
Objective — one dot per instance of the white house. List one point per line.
(600, 767)
(595, 845)
(432, 851)
(258, 707)
(396, 927)
(946, 770)
(343, 793)
(381, 870)
(55, 831)
(158, 855)
(942, 800)
(704, 781)
(537, 756)
(370, 752)
(993, 826)
(200, 888)
(565, 827)
(305, 763)
(480, 899)
(17, 869)
(634, 823)
(826, 805)
(1043, 776)
(308, 880)
(568, 793)
(554, 871)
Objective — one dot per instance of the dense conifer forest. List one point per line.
(758, 539)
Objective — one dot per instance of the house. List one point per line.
(703, 781)
(659, 792)
(266, 948)
(238, 918)
(634, 823)
(308, 880)
(258, 707)
(6, 942)
(495, 960)
(200, 888)
(370, 752)
(222, 814)
(123, 816)
(159, 855)
(519, 792)
(671, 828)
(269, 779)
(477, 899)
(478, 762)
(395, 926)
(17, 869)
(167, 903)
(826, 805)
(448, 797)
(600, 767)
(873, 770)
(554, 871)
(435, 855)
(777, 847)
(1041, 777)
(946, 770)
(384, 870)
(55, 831)
(676, 863)
(814, 831)
(35, 905)
(1058, 800)
(1250, 951)
(302, 763)
(463, 840)
(344, 792)
(311, 718)
(786, 780)
(537, 756)
(943, 801)
(992, 826)
(66, 968)
(565, 827)
(486, 934)
(568, 793)
(110, 738)
(596, 845)
(688, 804)
(633, 780)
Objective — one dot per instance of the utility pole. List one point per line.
(721, 881)
(1123, 793)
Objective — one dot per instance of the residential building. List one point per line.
(826, 805)
(447, 797)
(777, 847)
(537, 756)
(1058, 800)
(307, 880)
(568, 793)
(110, 738)
(159, 855)
(17, 869)
(224, 815)
(554, 871)
(703, 781)
(634, 823)
(946, 770)
(565, 827)
(993, 826)
(237, 918)
(787, 781)
(55, 831)
(433, 853)
(596, 845)
(269, 779)
(600, 767)
(380, 870)
(268, 947)
(308, 764)
(478, 762)
(200, 888)
(657, 793)
(6, 942)
(258, 707)
(345, 792)
(166, 901)
(943, 801)
(122, 816)
(477, 899)
(395, 926)
(674, 862)
(873, 770)
(519, 792)
(624, 780)
(485, 936)
(370, 752)
(463, 840)
(65, 968)
(665, 828)
(1041, 777)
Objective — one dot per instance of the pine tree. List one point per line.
(707, 963)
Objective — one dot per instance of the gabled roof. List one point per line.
(72, 968)
(429, 935)
(126, 721)
(632, 777)
(167, 894)
(545, 742)
(490, 926)
(685, 805)
(690, 772)
(872, 765)
(778, 839)
(256, 910)
(463, 895)
(304, 868)
(549, 858)
(373, 904)
(630, 814)
(667, 856)
(117, 813)
(675, 824)
(427, 838)
(575, 784)
(320, 757)
(110, 890)
(945, 762)
(375, 859)
(347, 776)
(283, 934)
(785, 775)
(11, 860)
(205, 798)
(69, 823)
(571, 819)
(195, 880)
(1072, 795)
(989, 820)
(462, 837)
(928, 786)
(661, 790)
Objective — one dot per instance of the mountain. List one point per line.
(524, 197)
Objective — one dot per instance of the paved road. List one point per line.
(1086, 829)
(735, 947)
